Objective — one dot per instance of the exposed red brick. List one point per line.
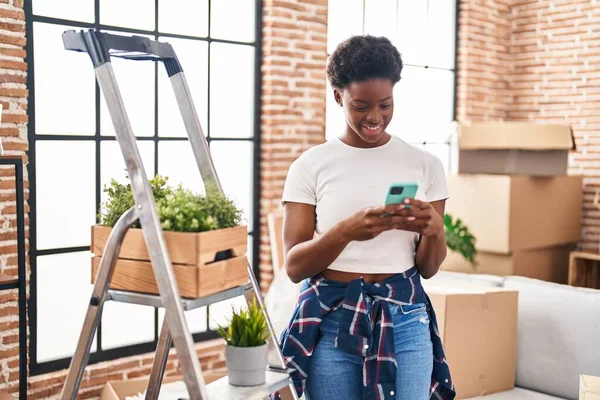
(16, 14)
(14, 27)
(14, 118)
(9, 132)
(9, 352)
(15, 146)
(12, 92)
(11, 52)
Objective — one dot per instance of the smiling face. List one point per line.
(368, 108)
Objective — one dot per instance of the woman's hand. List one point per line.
(421, 217)
(368, 223)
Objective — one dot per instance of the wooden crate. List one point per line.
(192, 255)
(584, 269)
(189, 248)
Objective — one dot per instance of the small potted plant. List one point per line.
(246, 350)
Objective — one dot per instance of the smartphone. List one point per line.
(398, 192)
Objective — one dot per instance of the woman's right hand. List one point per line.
(368, 223)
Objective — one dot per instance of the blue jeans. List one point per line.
(335, 374)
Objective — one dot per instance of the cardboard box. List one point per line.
(478, 327)
(514, 148)
(548, 264)
(510, 213)
(118, 390)
(589, 387)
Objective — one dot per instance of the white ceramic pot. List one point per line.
(246, 366)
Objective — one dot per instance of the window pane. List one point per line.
(412, 31)
(423, 105)
(177, 162)
(380, 18)
(63, 296)
(334, 116)
(184, 17)
(196, 319)
(75, 10)
(136, 84)
(64, 85)
(137, 14)
(66, 193)
(231, 90)
(441, 35)
(126, 324)
(233, 20)
(344, 19)
(113, 166)
(193, 55)
(233, 162)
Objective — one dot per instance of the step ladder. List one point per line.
(100, 47)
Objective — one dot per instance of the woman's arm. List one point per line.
(426, 219)
(432, 249)
(305, 255)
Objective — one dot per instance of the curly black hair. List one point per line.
(361, 58)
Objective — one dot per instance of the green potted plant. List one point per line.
(204, 235)
(459, 239)
(246, 350)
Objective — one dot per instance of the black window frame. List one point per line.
(100, 355)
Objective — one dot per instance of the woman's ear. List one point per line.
(338, 97)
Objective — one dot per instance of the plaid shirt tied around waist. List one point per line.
(362, 332)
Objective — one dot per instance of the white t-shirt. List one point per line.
(340, 179)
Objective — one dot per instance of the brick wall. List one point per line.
(13, 134)
(293, 99)
(556, 47)
(484, 69)
(537, 61)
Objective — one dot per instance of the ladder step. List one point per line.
(188, 304)
(221, 389)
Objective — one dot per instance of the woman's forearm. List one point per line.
(314, 256)
(430, 255)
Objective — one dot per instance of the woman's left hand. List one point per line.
(421, 217)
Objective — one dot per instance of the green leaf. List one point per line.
(459, 239)
(247, 328)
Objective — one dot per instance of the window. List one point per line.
(424, 31)
(73, 151)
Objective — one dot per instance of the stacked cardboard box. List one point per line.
(513, 192)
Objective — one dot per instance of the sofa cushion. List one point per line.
(516, 394)
(558, 331)
(461, 278)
